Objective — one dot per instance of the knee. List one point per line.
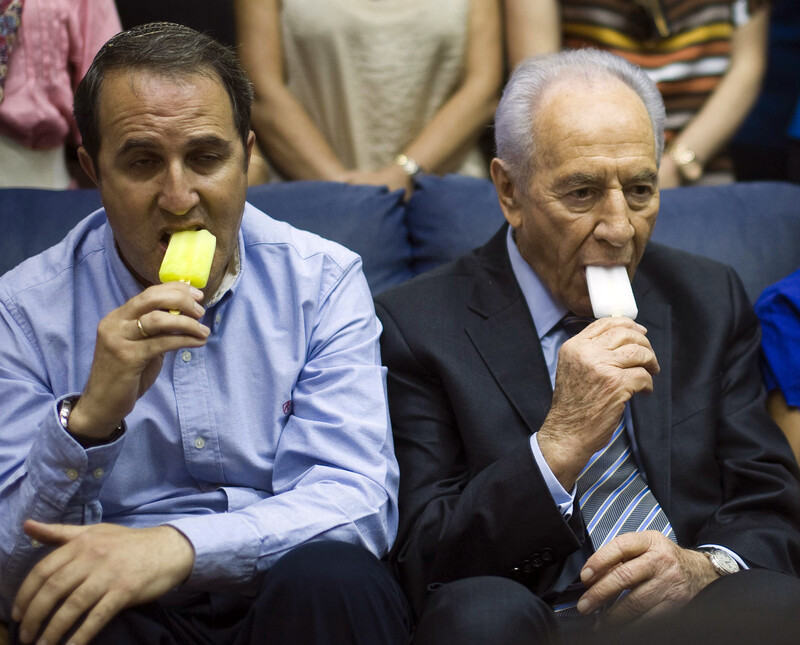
(484, 610)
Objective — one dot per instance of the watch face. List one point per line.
(723, 562)
(684, 156)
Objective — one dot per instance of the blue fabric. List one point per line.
(32, 220)
(366, 219)
(450, 215)
(287, 396)
(754, 227)
(794, 126)
(778, 309)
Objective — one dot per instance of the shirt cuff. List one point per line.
(733, 554)
(563, 499)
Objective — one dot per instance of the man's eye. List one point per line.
(581, 193)
(142, 163)
(642, 190)
(206, 159)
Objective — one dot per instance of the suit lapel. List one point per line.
(652, 412)
(502, 331)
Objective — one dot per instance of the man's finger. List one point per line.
(53, 534)
(621, 549)
(42, 591)
(69, 613)
(603, 325)
(621, 579)
(99, 616)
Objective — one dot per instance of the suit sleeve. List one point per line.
(457, 520)
(749, 500)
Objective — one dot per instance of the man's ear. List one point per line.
(506, 192)
(88, 165)
(248, 151)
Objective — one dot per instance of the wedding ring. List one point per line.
(141, 329)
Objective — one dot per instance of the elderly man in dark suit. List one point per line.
(550, 478)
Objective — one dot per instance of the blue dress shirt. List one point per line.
(273, 434)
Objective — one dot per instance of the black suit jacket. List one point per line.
(468, 384)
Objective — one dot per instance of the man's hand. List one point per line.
(127, 358)
(656, 574)
(100, 569)
(598, 372)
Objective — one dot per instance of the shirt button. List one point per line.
(218, 319)
(98, 473)
(186, 356)
(199, 443)
(72, 474)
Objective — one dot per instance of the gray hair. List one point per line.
(525, 89)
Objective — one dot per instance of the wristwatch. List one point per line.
(686, 162)
(722, 561)
(65, 409)
(409, 166)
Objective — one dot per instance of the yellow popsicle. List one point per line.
(188, 258)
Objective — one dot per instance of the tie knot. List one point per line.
(573, 324)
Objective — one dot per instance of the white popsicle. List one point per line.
(610, 292)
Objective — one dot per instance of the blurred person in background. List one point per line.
(706, 57)
(371, 92)
(46, 46)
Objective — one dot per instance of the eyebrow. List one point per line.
(581, 179)
(577, 180)
(207, 141)
(646, 176)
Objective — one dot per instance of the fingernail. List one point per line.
(205, 330)
(583, 606)
(41, 641)
(16, 614)
(196, 293)
(586, 575)
(199, 309)
(24, 636)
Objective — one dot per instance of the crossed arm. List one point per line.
(297, 147)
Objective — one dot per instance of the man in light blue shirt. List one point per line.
(228, 471)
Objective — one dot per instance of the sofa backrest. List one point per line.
(755, 227)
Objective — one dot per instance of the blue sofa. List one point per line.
(755, 227)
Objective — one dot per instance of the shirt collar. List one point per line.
(545, 310)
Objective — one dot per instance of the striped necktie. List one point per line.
(613, 497)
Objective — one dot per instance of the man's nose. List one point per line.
(614, 225)
(177, 195)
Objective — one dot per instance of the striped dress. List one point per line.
(684, 46)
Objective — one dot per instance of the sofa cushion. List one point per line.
(448, 216)
(754, 227)
(32, 220)
(366, 219)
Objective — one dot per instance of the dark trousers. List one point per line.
(325, 593)
(750, 607)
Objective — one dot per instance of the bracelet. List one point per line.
(686, 162)
(409, 166)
